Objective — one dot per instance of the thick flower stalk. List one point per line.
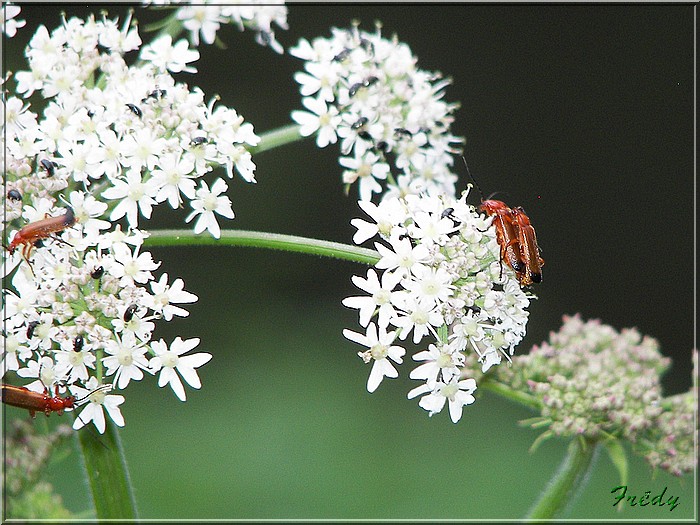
(365, 91)
(442, 283)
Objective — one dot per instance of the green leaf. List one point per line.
(618, 456)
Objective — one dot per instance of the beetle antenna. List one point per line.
(481, 194)
(83, 399)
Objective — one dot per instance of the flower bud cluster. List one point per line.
(594, 381)
(393, 126)
(672, 444)
(441, 281)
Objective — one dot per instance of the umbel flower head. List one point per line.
(365, 91)
(440, 282)
(112, 141)
(594, 381)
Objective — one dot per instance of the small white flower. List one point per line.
(380, 351)
(126, 359)
(164, 296)
(9, 24)
(368, 169)
(131, 267)
(170, 362)
(204, 19)
(322, 118)
(380, 300)
(457, 393)
(134, 195)
(174, 175)
(97, 401)
(166, 56)
(404, 257)
(440, 360)
(206, 204)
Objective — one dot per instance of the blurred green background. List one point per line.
(582, 114)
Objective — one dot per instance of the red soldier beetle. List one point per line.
(21, 397)
(41, 229)
(516, 237)
(507, 234)
(506, 227)
(529, 250)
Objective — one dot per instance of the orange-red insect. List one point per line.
(41, 229)
(506, 232)
(529, 250)
(516, 237)
(18, 396)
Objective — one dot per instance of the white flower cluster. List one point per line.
(129, 134)
(442, 279)
(112, 141)
(389, 116)
(81, 316)
(258, 15)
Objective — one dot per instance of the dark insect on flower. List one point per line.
(345, 53)
(367, 45)
(129, 312)
(49, 166)
(360, 122)
(354, 89)
(14, 195)
(370, 81)
(30, 328)
(447, 213)
(382, 146)
(156, 94)
(78, 343)
(198, 141)
(135, 110)
(97, 272)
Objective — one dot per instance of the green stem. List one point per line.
(567, 483)
(277, 137)
(510, 394)
(275, 241)
(107, 474)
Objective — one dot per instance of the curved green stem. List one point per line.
(277, 137)
(275, 241)
(568, 482)
(108, 477)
